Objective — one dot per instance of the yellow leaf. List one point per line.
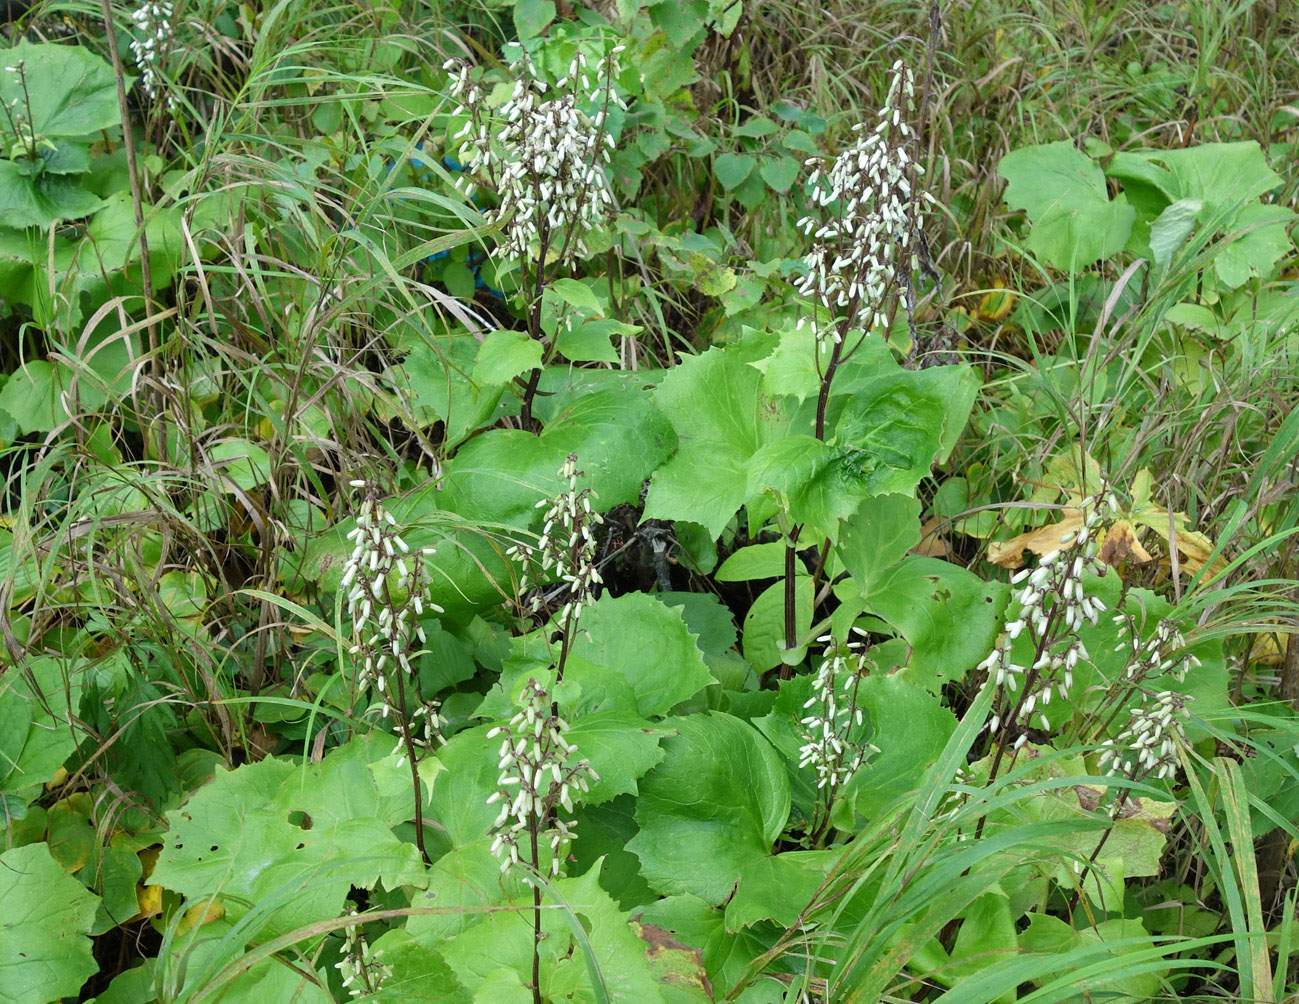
(201, 913)
(1118, 542)
(1269, 649)
(996, 303)
(149, 899)
(933, 543)
(1043, 540)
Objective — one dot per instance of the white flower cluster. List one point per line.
(538, 776)
(566, 549)
(360, 967)
(870, 194)
(547, 160)
(827, 748)
(386, 594)
(1163, 652)
(1053, 606)
(153, 21)
(1148, 745)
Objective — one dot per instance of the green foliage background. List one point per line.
(223, 301)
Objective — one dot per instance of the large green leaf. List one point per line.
(621, 749)
(289, 840)
(716, 803)
(102, 262)
(691, 922)
(496, 480)
(1220, 183)
(420, 975)
(44, 934)
(1074, 222)
(28, 200)
(779, 887)
(438, 382)
(646, 644)
(947, 614)
(895, 426)
(722, 417)
(72, 91)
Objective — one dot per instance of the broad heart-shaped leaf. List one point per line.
(289, 840)
(496, 480)
(1223, 176)
(895, 426)
(36, 732)
(44, 934)
(1223, 180)
(504, 940)
(716, 803)
(41, 200)
(948, 615)
(1074, 222)
(72, 91)
(104, 262)
(722, 417)
(648, 645)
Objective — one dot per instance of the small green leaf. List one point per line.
(505, 355)
(531, 17)
(589, 342)
(577, 294)
(764, 624)
(757, 561)
(244, 464)
(732, 168)
(755, 127)
(458, 280)
(780, 174)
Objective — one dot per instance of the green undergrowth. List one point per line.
(836, 633)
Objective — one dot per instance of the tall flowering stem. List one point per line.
(1053, 604)
(829, 745)
(546, 154)
(153, 23)
(539, 771)
(867, 216)
(1146, 747)
(864, 222)
(565, 551)
(387, 592)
